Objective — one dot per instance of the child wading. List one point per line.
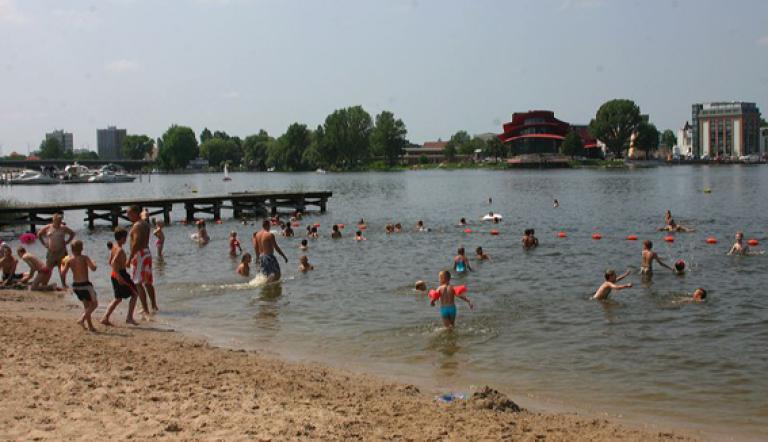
(79, 264)
(447, 299)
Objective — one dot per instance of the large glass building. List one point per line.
(725, 129)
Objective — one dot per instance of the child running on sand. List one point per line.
(8, 264)
(610, 284)
(447, 299)
(304, 265)
(160, 235)
(244, 269)
(38, 273)
(480, 255)
(461, 262)
(234, 244)
(81, 285)
(122, 285)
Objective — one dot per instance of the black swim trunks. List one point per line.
(12, 277)
(84, 291)
(123, 291)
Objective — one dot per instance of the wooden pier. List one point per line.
(242, 204)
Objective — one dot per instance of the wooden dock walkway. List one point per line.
(242, 204)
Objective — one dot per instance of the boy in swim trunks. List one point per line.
(81, 286)
(39, 273)
(55, 237)
(265, 245)
(8, 264)
(461, 262)
(447, 300)
(122, 285)
(610, 284)
(648, 256)
(140, 260)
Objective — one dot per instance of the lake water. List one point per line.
(534, 333)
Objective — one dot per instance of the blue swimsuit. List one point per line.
(460, 266)
(448, 312)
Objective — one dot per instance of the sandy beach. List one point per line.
(58, 381)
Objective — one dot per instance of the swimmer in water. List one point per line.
(234, 244)
(610, 284)
(667, 217)
(556, 203)
(201, 236)
(447, 300)
(244, 269)
(398, 228)
(529, 239)
(739, 248)
(648, 256)
(674, 227)
(679, 267)
(359, 236)
(462, 222)
(420, 286)
(304, 265)
(389, 229)
(699, 295)
(420, 226)
(303, 246)
(480, 255)
(461, 262)
(335, 232)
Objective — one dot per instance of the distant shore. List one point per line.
(60, 382)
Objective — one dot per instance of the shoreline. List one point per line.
(59, 381)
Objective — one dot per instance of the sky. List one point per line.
(439, 65)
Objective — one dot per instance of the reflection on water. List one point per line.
(534, 331)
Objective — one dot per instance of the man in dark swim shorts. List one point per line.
(265, 246)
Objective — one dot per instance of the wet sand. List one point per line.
(58, 381)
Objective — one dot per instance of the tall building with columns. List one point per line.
(725, 129)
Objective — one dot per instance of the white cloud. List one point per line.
(9, 13)
(581, 4)
(122, 66)
(763, 41)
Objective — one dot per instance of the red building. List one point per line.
(539, 132)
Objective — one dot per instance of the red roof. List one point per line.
(437, 145)
(544, 136)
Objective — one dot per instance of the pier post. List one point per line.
(273, 208)
(216, 210)
(167, 214)
(32, 216)
(190, 208)
(115, 216)
(322, 204)
(235, 209)
(91, 219)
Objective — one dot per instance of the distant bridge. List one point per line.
(130, 165)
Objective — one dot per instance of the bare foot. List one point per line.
(131, 321)
(106, 322)
(92, 328)
(82, 324)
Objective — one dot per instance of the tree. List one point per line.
(287, 151)
(495, 148)
(15, 156)
(205, 135)
(450, 152)
(347, 137)
(388, 137)
(218, 151)
(51, 149)
(255, 150)
(87, 155)
(668, 139)
(177, 148)
(647, 138)
(572, 145)
(763, 122)
(459, 143)
(136, 147)
(614, 124)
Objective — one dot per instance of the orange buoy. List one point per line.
(467, 230)
(561, 235)
(218, 221)
(341, 226)
(632, 238)
(296, 224)
(711, 240)
(669, 238)
(362, 227)
(494, 232)
(753, 242)
(597, 236)
(316, 225)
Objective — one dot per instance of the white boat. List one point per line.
(32, 177)
(108, 176)
(320, 171)
(76, 173)
(492, 216)
(226, 174)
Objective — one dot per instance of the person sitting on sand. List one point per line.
(480, 255)
(610, 284)
(303, 246)
(304, 265)
(244, 269)
(234, 244)
(447, 300)
(529, 239)
(647, 258)
(79, 264)
(122, 285)
(160, 235)
(8, 264)
(674, 227)
(461, 262)
(359, 236)
(39, 274)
